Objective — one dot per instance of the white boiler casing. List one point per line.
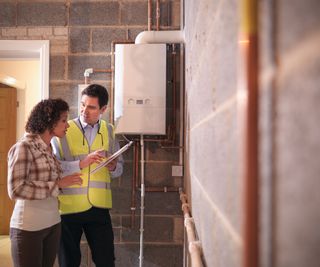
(140, 89)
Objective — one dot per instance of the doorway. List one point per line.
(8, 100)
(26, 49)
(15, 51)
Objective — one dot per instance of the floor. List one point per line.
(5, 254)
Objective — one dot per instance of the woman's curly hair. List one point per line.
(45, 115)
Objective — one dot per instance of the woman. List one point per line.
(34, 181)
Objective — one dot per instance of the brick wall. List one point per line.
(80, 34)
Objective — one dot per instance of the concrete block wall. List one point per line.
(288, 131)
(290, 71)
(80, 35)
(211, 70)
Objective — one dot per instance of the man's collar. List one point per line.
(84, 124)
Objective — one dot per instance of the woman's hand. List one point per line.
(72, 179)
(94, 157)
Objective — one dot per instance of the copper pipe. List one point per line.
(174, 92)
(159, 140)
(249, 49)
(102, 70)
(137, 181)
(165, 140)
(87, 81)
(162, 189)
(137, 163)
(87, 78)
(158, 14)
(251, 172)
(251, 238)
(171, 130)
(273, 209)
(111, 119)
(149, 15)
(172, 147)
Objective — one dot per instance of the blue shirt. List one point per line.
(90, 133)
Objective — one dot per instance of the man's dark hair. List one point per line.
(96, 90)
(45, 115)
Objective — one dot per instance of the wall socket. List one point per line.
(177, 170)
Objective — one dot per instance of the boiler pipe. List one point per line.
(158, 14)
(182, 107)
(137, 165)
(149, 15)
(86, 75)
(161, 140)
(249, 108)
(194, 246)
(174, 91)
(142, 202)
(89, 71)
(162, 189)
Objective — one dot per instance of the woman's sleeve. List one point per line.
(19, 184)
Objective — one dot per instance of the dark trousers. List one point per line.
(96, 224)
(35, 248)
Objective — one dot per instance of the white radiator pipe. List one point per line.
(142, 202)
(194, 245)
(160, 37)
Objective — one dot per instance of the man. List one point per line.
(85, 208)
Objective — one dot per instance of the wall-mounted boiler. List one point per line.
(140, 89)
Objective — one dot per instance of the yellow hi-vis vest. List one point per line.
(95, 189)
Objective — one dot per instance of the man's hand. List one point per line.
(112, 165)
(94, 157)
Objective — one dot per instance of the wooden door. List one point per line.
(8, 121)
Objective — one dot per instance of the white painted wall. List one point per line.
(28, 73)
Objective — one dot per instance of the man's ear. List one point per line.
(103, 109)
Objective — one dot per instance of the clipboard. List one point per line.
(112, 157)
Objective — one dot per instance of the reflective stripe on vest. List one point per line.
(84, 190)
(96, 189)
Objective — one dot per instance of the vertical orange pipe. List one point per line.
(158, 15)
(249, 49)
(149, 15)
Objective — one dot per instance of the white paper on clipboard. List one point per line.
(112, 157)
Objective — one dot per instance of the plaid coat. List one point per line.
(33, 170)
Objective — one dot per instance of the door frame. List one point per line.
(9, 129)
(19, 49)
